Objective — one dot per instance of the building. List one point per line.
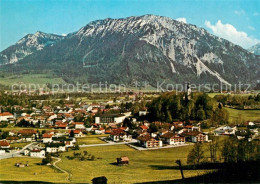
(173, 139)
(195, 136)
(47, 138)
(4, 144)
(111, 118)
(79, 125)
(5, 116)
(149, 142)
(120, 135)
(122, 161)
(225, 130)
(56, 147)
(37, 153)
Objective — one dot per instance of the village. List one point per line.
(54, 129)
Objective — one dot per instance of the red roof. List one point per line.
(46, 135)
(27, 131)
(144, 127)
(76, 131)
(5, 114)
(78, 123)
(4, 143)
(117, 131)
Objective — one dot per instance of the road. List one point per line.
(62, 170)
(17, 153)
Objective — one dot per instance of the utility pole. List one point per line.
(179, 163)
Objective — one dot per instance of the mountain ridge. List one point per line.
(145, 48)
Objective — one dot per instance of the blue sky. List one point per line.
(235, 20)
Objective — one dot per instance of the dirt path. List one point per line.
(68, 178)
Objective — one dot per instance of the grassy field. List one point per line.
(145, 166)
(40, 79)
(34, 172)
(91, 139)
(19, 145)
(247, 115)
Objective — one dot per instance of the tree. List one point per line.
(196, 154)
(47, 160)
(77, 147)
(72, 133)
(213, 146)
(201, 114)
(229, 150)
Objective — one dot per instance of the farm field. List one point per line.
(91, 139)
(247, 115)
(34, 172)
(40, 79)
(145, 166)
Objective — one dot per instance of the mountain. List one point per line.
(255, 49)
(147, 48)
(27, 46)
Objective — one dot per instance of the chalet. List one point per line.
(100, 131)
(78, 133)
(120, 135)
(173, 139)
(47, 138)
(110, 118)
(13, 139)
(225, 130)
(78, 125)
(195, 136)
(122, 161)
(4, 144)
(55, 147)
(28, 134)
(37, 153)
(5, 116)
(149, 142)
(61, 125)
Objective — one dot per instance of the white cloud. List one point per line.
(239, 12)
(182, 19)
(229, 32)
(251, 28)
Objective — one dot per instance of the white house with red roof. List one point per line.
(37, 153)
(4, 144)
(47, 138)
(5, 116)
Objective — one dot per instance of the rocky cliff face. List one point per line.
(146, 48)
(27, 46)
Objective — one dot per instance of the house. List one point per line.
(28, 134)
(142, 113)
(195, 136)
(13, 139)
(225, 130)
(5, 116)
(173, 139)
(79, 125)
(122, 161)
(110, 118)
(100, 131)
(78, 133)
(4, 144)
(148, 142)
(55, 147)
(37, 153)
(47, 138)
(61, 125)
(162, 131)
(120, 135)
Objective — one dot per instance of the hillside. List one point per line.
(143, 48)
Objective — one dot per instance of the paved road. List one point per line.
(106, 144)
(17, 153)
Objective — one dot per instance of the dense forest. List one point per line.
(179, 107)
